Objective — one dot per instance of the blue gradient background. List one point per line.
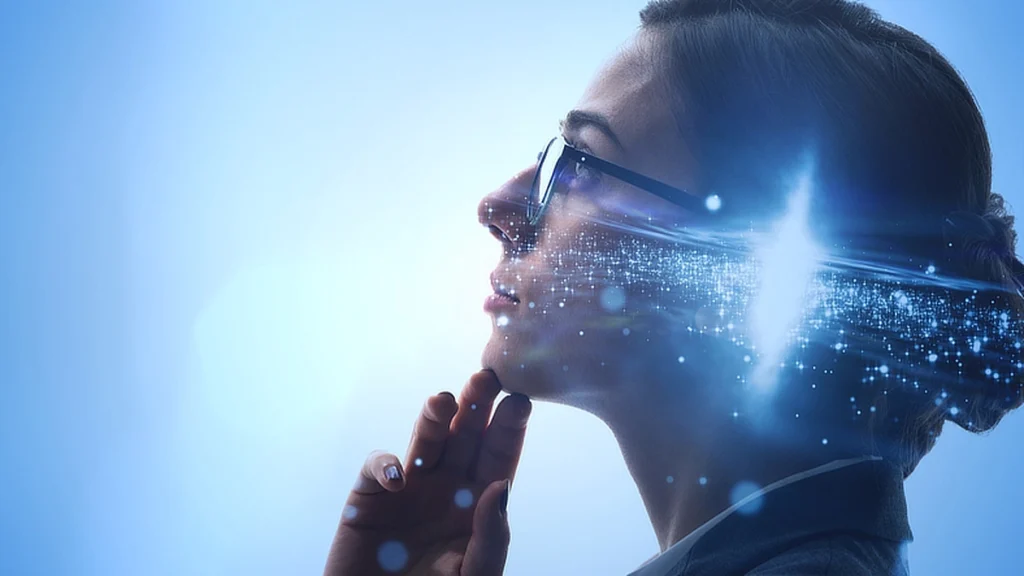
(239, 248)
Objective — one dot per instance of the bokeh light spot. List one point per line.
(392, 556)
(744, 490)
(463, 498)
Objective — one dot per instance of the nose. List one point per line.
(503, 211)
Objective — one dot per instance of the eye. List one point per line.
(583, 176)
(583, 171)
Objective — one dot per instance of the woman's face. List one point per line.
(583, 281)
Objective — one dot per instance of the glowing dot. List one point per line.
(702, 481)
(581, 332)
(872, 409)
(463, 498)
(883, 369)
(743, 490)
(746, 357)
(933, 357)
(713, 202)
(392, 556)
(735, 414)
(670, 479)
(931, 269)
(613, 298)
(988, 371)
(531, 305)
(418, 461)
(472, 406)
(681, 359)
(839, 346)
(824, 441)
(954, 411)
(977, 346)
(349, 512)
(901, 297)
(561, 304)
(502, 321)
(625, 331)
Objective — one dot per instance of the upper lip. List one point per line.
(500, 287)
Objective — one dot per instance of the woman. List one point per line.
(765, 252)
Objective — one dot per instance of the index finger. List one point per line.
(475, 404)
(430, 432)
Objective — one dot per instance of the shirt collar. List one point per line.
(859, 494)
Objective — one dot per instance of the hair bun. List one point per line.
(985, 247)
(1004, 237)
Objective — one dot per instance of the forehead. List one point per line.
(630, 91)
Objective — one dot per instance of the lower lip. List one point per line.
(499, 303)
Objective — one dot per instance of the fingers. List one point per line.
(475, 403)
(488, 546)
(430, 432)
(381, 471)
(503, 440)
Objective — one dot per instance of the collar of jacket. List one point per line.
(865, 498)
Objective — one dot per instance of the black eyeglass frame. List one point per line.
(538, 199)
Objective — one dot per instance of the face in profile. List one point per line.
(594, 304)
(577, 293)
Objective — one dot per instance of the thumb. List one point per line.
(488, 546)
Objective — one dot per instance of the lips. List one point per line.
(500, 289)
(502, 301)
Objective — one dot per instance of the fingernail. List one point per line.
(504, 497)
(392, 473)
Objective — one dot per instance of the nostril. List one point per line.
(499, 234)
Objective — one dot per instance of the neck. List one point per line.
(687, 465)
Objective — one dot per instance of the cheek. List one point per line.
(584, 276)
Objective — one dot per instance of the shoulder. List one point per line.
(838, 554)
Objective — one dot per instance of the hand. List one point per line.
(443, 512)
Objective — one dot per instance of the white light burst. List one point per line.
(788, 265)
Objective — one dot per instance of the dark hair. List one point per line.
(897, 140)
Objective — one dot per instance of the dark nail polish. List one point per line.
(504, 497)
(392, 473)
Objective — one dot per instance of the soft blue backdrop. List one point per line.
(239, 248)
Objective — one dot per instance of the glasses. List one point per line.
(559, 155)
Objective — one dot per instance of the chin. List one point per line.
(539, 372)
(516, 373)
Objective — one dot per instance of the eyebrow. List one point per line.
(577, 119)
